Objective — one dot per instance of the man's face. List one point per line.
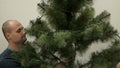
(17, 34)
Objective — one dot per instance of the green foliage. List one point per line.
(37, 27)
(25, 56)
(83, 19)
(69, 26)
(107, 58)
(55, 42)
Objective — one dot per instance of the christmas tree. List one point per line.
(64, 28)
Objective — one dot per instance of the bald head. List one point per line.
(7, 26)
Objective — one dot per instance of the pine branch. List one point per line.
(58, 59)
(55, 57)
(105, 16)
(39, 18)
(118, 36)
(101, 19)
(84, 65)
(43, 5)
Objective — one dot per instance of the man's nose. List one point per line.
(24, 31)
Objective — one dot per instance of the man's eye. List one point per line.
(18, 31)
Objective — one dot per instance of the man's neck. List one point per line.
(16, 47)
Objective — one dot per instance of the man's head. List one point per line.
(14, 32)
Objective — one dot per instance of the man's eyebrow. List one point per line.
(19, 28)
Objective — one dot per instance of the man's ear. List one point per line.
(7, 36)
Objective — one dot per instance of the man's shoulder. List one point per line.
(5, 56)
(6, 53)
(8, 62)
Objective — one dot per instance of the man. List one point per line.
(15, 35)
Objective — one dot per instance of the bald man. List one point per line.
(15, 35)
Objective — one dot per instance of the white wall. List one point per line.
(25, 10)
(111, 6)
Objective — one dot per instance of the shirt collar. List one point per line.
(10, 49)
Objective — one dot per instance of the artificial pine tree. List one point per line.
(64, 28)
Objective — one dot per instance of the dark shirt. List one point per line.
(6, 60)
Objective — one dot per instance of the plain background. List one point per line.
(26, 10)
